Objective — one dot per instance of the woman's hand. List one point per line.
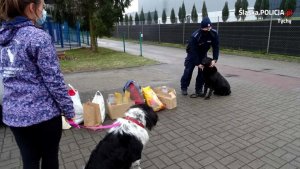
(73, 124)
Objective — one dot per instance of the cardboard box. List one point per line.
(168, 99)
(118, 110)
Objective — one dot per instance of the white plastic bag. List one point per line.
(65, 124)
(98, 99)
(74, 94)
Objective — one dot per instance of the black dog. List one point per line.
(213, 80)
(122, 147)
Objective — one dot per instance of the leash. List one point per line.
(94, 128)
(101, 127)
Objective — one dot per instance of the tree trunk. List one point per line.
(94, 46)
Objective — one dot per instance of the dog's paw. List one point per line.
(206, 98)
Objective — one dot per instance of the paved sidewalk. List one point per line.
(257, 127)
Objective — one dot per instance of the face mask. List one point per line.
(40, 21)
(205, 33)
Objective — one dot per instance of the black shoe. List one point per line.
(200, 93)
(184, 92)
(197, 94)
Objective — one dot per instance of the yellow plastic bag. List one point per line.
(151, 99)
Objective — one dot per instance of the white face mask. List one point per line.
(40, 21)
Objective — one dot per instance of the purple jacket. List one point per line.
(34, 88)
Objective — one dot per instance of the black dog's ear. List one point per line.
(150, 115)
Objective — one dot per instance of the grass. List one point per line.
(295, 18)
(83, 59)
(254, 54)
(262, 55)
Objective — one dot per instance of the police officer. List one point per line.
(198, 46)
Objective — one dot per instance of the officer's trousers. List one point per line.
(187, 76)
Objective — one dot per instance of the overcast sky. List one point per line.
(148, 5)
(133, 7)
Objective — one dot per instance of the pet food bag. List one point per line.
(151, 99)
(74, 94)
(91, 114)
(98, 99)
(135, 91)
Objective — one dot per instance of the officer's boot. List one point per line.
(184, 92)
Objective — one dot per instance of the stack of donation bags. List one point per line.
(92, 113)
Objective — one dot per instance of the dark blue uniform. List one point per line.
(198, 46)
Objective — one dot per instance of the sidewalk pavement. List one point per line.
(256, 127)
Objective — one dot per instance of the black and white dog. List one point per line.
(213, 80)
(122, 147)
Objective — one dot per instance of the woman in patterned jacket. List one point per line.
(35, 94)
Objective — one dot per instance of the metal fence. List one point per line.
(65, 36)
(275, 35)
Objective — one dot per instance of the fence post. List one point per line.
(82, 37)
(87, 38)
(218, 25)
(66, 31)
(57, 33)
(69, 37)
(61, 36)
(50, 28)
(141, 46)
(118, 30)
(124, 41)
(78, 33)
(183, 30)
(269, 37)
(159, 31)
(128, 30)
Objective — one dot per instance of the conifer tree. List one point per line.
(155, 17)
(172, 16)
(164, 17)
(225, 12)
(204, 10)
(238, 6)
(149, 18)
(194, 14)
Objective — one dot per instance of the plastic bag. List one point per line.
(74, 94)
(65, 124)
(98, 99)
(151, 99)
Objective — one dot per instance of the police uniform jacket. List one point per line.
(199, 44)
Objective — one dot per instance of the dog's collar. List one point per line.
(134, 121)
